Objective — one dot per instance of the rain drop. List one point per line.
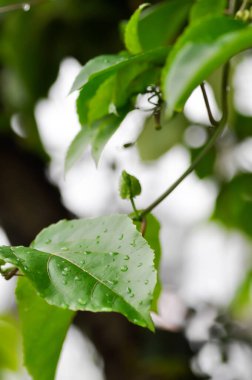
(139, 265)
(121, 237)
(76, 278)
(129, 290)
(126, 257)
(106, 230)
(146, 282)
(124, 268)
(48, 241)
(26, 7)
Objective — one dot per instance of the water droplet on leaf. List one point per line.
(124, 268)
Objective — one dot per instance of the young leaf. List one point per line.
(43, 329)
(207, 8)
(131, 37)
(99, 264)
(9, 344)
(164, 20)
(201, 49)
(105, 128)
(129, 186)
(100, 68)
(78, 146)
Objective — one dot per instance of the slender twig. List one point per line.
(143, 226)
(134, 207)
(244, 5)
(218, 130)
(232, 7)
(18, 6)
(212, 120)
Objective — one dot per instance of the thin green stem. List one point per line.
(134, 207)
(244, 5)
(217, 132)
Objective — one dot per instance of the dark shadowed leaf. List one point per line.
(44, 328)
(164, 20)
(207, 8)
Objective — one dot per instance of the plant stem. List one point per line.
(209, 112)
(218, 130)
(17, 6)
(134, 208)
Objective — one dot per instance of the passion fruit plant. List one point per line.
(111, 263)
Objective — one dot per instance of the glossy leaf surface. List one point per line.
(99, 264)
(102, 67)
(43, 329)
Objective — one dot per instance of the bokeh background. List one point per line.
(204, 319)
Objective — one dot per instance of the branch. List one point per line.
(24, 6)
(219, 129)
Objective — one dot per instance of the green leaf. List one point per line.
(152, 143)
(78, 146)
(207, 8)
(129, 186)
(131, 37)
(234, 203)
(9, 343)
(201, 50)
(105, 128)
(99, 105)
(84, 98)
(100, 68)
(160, 24)
(241, 304)
(99, 264)
(151, 235)
(205, 167)
(44, 328)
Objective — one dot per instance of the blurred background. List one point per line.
(204, 319)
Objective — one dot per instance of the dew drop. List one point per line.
(83, 262)
(129, 290)
(113, 253)
(124, 268)
(26, 7)
(139, 265)
(48, 241)
(146, 282)
(63, 248)
(76, 278)
(126, 257)
(140, 303)
(132, 295)
(63, 305)
(82, 301)
(121, 237)
(106, 230)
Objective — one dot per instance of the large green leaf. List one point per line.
(100, 68)
(207, 8)
(9, 343)
(200, 50)
(160, 24)
(99, 264)
(43, 329)
(234, 203)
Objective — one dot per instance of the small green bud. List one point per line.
(129, 186)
